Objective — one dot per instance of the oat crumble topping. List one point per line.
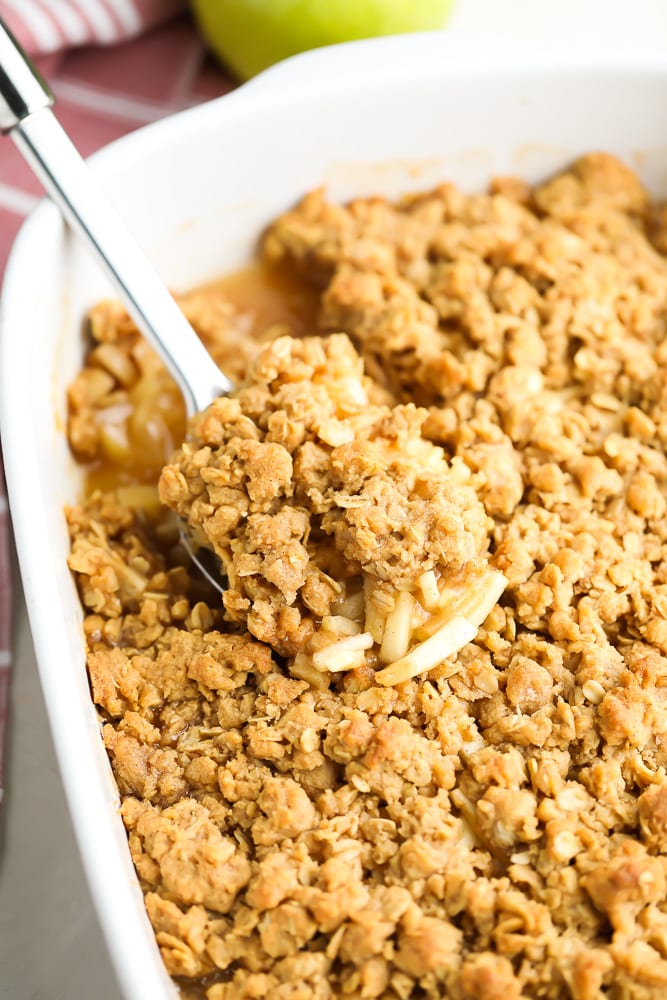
(339, 526)
(496, 827)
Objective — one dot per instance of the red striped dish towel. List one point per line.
(113, 65)
(44, 26)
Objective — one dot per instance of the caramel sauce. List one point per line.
(267, 294)
(261, 295)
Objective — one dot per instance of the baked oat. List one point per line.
(344, 534)
(497, 827)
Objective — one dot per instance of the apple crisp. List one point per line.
(419, 750)
(341, 529)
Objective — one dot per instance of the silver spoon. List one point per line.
(25, 115)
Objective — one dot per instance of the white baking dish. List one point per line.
(382, 116)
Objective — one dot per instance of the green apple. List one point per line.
(249, 35)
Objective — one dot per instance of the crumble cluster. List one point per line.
(301, 486)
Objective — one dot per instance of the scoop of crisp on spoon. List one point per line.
(348, 541)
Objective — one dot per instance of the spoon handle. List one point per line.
(26, 115)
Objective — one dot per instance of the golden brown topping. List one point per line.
(308, 493)
(494, 828)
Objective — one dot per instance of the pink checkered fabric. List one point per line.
(113, 65)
